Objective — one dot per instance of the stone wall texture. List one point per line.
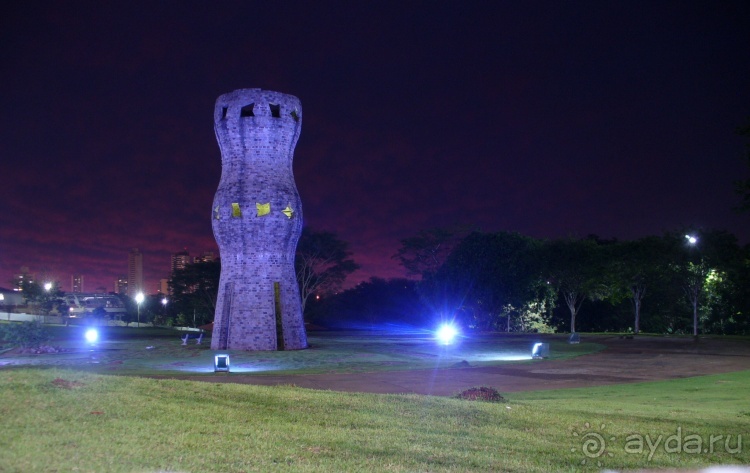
(257, 221)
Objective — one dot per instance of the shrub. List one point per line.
(26, 334)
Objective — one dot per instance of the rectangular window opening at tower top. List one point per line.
(247, 110)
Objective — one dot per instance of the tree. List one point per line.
(575, 269)
(694, 276)
(494, 280)
(45, 297)
(377, 303)
(635, 266)
(193, 291)
(708, 262)
(322, 263)
(99, 314)
(736, 318)
(424, 253)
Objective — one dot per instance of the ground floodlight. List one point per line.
(221, 363)
(540, 350)
(446, 333)
(92, 335)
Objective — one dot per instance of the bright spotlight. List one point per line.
(221, 363)
(691, 239)
(446, 333)
(92, 335)
(540, 350)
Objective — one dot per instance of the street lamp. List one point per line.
(138, 300)
(46, 305)
(695, 283)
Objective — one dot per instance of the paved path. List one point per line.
(623, 361)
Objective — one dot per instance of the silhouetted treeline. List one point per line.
(686, 282)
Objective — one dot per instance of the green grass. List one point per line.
(64, 420)
(59, 413)
(153, 351)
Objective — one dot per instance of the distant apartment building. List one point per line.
(180, 260)
(205, 257)
(164, 286)
(121, 285)
(76, 283)
(23, 277)
(135, 272)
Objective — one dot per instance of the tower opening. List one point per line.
(223, 112)
(275, 110)
(247, 110)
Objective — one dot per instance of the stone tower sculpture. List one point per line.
(257, 221)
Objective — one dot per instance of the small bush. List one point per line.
(481, 393)
(26, 334)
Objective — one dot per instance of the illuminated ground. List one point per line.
(623, 361)
(409, 362)
(329, 352)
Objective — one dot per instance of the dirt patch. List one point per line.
(623, 361)
(65, 384)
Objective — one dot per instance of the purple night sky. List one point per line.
(546, 118)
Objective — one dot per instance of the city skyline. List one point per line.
(69, 283)
(544, 118)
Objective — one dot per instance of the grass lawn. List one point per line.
(65, 412)
(148, 351)
(64, 420)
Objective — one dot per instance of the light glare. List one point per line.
(92, 335)
(446, 333)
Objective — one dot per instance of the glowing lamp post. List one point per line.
(695, 287)
(138, 300)
(46, 306)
